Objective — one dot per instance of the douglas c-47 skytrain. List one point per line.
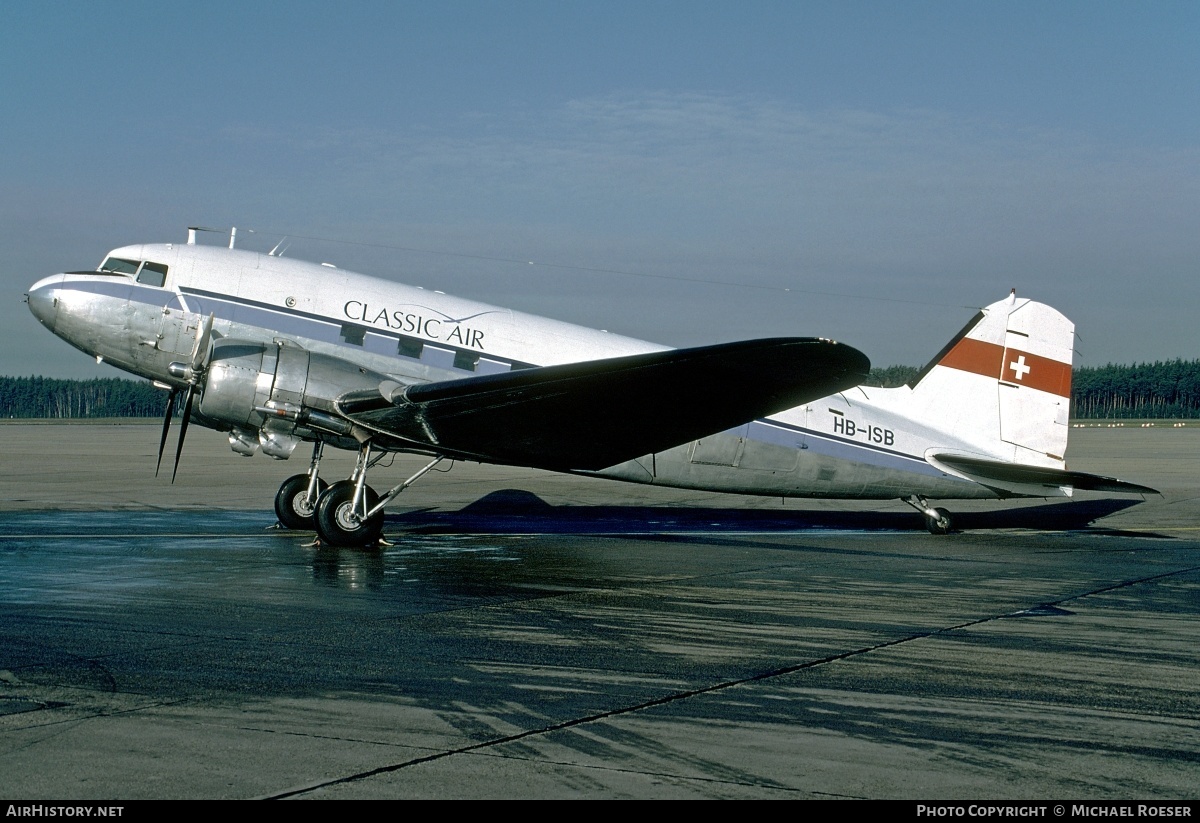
(277, 352)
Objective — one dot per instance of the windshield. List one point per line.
(152, 274)
(119, 265)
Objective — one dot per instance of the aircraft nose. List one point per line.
(42, 298)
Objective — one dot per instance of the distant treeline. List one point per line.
(1146, 390)
(46, 397)
(891, 377)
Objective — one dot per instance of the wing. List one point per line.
(586, 416)
(998, 472)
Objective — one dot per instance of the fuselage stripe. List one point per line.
(334, 323)
(841, 440)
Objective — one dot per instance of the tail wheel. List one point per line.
(942, 524)
(291, 502)
(338, 524)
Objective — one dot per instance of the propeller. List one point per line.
(183, 426)
(193, 372)
(162, 443)
(200, 350)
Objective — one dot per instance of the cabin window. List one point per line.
(354, 335)
(119, 265)
(152, 274)
(488, 366)
(409, 347)
(466, 360)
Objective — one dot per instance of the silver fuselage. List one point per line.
(857, 444)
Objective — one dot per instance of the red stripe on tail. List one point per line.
(1020, 368)
(975, 356)
(1025, 369)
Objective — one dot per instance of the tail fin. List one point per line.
(1003, 383)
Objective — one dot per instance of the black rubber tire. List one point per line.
(290, 507)
(336, 525)
(942, 524)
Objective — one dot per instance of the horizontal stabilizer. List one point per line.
(590, 415)
(1002, 473)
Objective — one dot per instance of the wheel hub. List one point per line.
(301, 506)
(346, 516)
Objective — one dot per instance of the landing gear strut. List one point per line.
(340, 522)
(296, 500)
(938, 521)
(350, 513)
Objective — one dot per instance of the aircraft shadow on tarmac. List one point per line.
(519, 511)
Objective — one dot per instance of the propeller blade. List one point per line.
(162, 443)
(183, 427)
(200, 349)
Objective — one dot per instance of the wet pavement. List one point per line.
(532, 635)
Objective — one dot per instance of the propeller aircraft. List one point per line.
(278, 352)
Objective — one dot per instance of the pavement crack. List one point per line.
(688, 694)
(617, 712)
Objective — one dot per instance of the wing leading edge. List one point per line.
(591, 415)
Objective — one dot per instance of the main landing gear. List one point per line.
(344, 514)
(296, 500)
(938, 521)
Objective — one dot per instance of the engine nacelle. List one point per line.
(276, 393)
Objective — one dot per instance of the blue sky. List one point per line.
(892, 165)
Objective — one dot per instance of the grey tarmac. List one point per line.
(531, 635)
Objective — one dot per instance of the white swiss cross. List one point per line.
(1019, 368)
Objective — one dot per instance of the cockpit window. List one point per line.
(119, 265)
(152, 274)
